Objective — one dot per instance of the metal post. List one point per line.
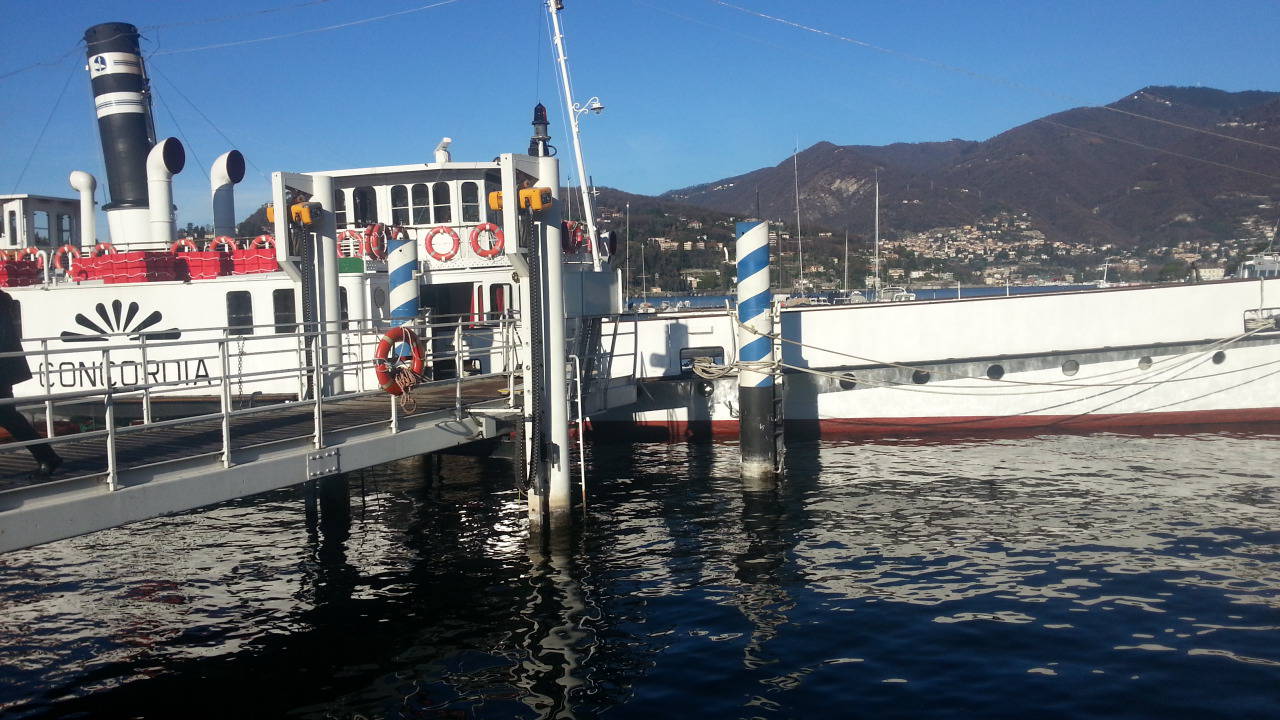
(755, 353)
(327, 268)
(559, 497)
(113, 472)
(146, 386)
(48, 389)
(318, 378)
(457, 371)
(225, 360)
(402, 269)
(582, 448)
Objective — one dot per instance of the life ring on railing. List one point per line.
(180, 243)
(572, 238)
(453, 249)
(349, 243)
(394, 233)
(220, 242)
(29, 254)
(263, 242)
(386, 367)
(374, 244)
(498, 242)
(67, 251)
(103, 248)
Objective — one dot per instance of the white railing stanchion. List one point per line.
(457, 371)
(300, 334)
(48, 388)
(582, 447)
(146, 387)
(224, 359)
(110, 415)
(318, 389)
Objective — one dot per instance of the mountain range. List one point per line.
(1159, 166)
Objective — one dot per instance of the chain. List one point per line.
(240, 367)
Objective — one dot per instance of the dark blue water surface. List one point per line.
(1057, 576)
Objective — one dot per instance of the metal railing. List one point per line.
(285, 369)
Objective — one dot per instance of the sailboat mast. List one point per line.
(846, 261)
(795, 167)
(877, 265)
(553, 7)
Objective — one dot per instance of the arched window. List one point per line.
(340, 208)
(470, 196)
(366, 205)
(440, 210)
(399, 205)
(64, 229)
(421, 205)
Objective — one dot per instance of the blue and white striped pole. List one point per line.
(402, 262)
(756, 421)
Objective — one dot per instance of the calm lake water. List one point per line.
(1057, 576)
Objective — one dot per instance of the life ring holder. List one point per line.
(69, 251)
(374, 243)
(180, 243)
(263, 242)
(350, 243)
(220, 242)
(498, 241)
(431, 248)
(389, 371)
(103, 248)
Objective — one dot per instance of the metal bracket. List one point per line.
(322, 463)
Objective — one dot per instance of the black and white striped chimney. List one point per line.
(123, 103)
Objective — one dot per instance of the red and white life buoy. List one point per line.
(395, 233)
(374, 244)
(222, 243)
(453, 249)
(494, 248)
(30, 254)
(67, 251)
(349, 243)
(263, 242)
(103, 248)
(386, 367)
(182, 244)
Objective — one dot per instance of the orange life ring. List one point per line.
(263, 241)
(395, 233)
(385, 366)
(105, 248)
(498, 241)
(431, 248)
(67, 250)
(374, 244)
(181, 243)
(350, 243)
(29, 253)
(220, 242)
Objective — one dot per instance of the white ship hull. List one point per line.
(1131, 357)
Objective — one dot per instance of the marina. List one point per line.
(405, 443)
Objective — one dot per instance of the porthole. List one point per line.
(1144, 363)
(705, 388)
(1218, 357)
(1070, 367)
(848, 382)
(920, 377)
(995, 372)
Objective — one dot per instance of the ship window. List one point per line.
(1144, 363)
(848, 381)
(470, 195)
(399, 205)
(40, 227)
(342, 303)
(13, 227)
(64, 229)
(366, 205)
(286, 317)
(1219, 357)
(995, 372)
(441, 212)
(1070, 367)
(920, 377)
(240, 312)
(713, 353)
(421, 205)
(340, 208)
(499, 298)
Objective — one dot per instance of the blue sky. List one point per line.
(695, 90)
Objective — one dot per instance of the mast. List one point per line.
(877, 263)
(846, 261)
(795, 167)
(554, 7)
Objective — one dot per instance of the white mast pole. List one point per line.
(877, 264)
(846, 261)
(795, 167)
(553, 7)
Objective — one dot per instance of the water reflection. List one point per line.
(1069, 576)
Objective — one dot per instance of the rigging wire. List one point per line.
(186, 143)
(53, 111)
(237, 16)
(200, 112)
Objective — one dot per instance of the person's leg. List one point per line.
(21, 430)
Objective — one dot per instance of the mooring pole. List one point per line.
(327, 260)
(402, 263)
(560, 491)
(756, 421)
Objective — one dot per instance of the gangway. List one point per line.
(152, 448)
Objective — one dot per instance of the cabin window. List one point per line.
(470, 195)
(421, 204)
(687, 355)
(13, 227)
(1070, 367)
(40, 227)
(920, 377)
(240, 312)
(995, 372)
(340, 208)
(499, 299)
(342, 303)
(366, 205)
(399, 205)
(441, 212)
(1219, 357)
(286, 317)
(1144, 362)
(64, 229)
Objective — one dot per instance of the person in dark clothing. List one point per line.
(14, 370)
